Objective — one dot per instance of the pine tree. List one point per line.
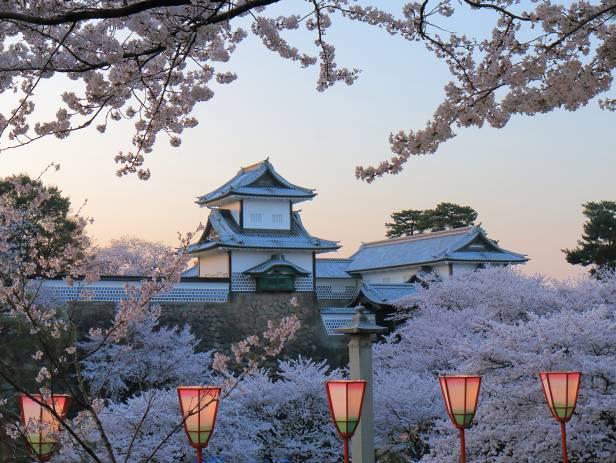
(409, 222)
(598, 244)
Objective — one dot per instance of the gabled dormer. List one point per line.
(258, 198)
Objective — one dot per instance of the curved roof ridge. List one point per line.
(229, 234)
(382, 285)
(385, 293)
(425, 249)
(253, 166)
(242, 184)
(478, 231)
(420, 236)
(277, 260)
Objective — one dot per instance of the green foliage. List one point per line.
(17, 353)
(445, 216)
(598, 244)
(53, 210)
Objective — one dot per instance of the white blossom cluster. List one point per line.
(129, 255)
(506, 327)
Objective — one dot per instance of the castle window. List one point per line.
(255, 217)
(275, 282)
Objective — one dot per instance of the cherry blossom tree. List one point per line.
(499, 323)
(130, 255)
(267, 417)
(94, 371)
(152, 357)
(507, 327)
(152, 61)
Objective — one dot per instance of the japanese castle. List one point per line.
(255, 242)
(255, 238)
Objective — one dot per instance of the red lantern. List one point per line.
(41, 424)
(345, 399)
(561, 392)
(461, 393)
(199, 406)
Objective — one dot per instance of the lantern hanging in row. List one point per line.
(561, 390)
(345, 399)
(41, 425)
(199, 407)
(40, 416)
(461, 393)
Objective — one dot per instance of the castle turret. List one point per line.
(254, 237)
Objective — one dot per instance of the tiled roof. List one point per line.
(332, 268)
(223, 231)
(244, 184)
(386, 293)
(484, 256)
(277, 260)
(191, 272)
(339, 317)
(448, 245)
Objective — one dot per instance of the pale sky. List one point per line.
(527, 181)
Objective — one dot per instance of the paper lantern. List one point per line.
(41, 425)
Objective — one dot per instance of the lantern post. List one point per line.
(362, 334)
(561, 390)
(40, 424)
(199, 407)
(460, 393)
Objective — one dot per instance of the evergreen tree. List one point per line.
(406, 223)
(50, 222)
(598, 244)
(445, 216)
(450, 215)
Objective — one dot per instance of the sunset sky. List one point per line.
(527, 181)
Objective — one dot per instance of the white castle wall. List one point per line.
(270, 214)
(235, 209)
(214, 265)
(243, 260)
(337, 288)
(115, 291)
(404, 274)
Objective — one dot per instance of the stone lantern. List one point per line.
(362, 334)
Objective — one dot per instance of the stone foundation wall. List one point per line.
(220, 324)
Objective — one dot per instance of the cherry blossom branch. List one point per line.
(32, 87)
(271, 341)
(581, 25)
(87, 14)
(500, 9)
(137, 430)
(132, 9)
